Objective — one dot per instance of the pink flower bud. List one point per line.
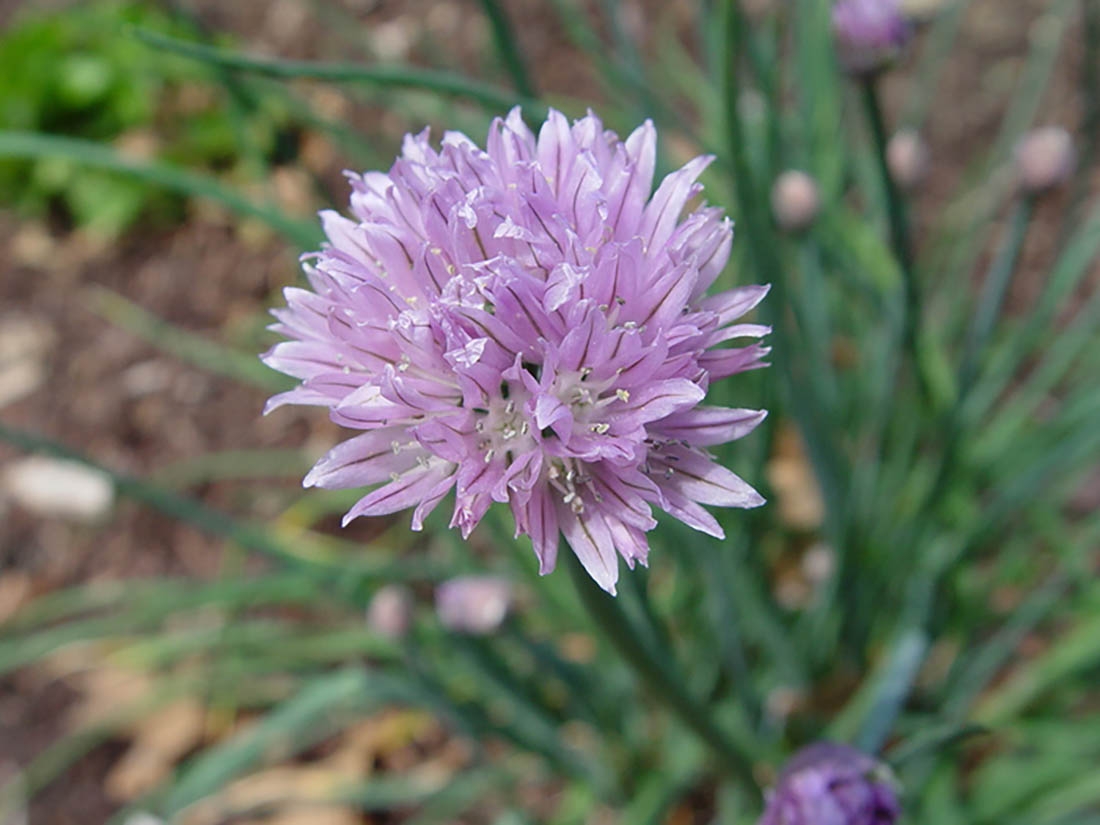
(473, 604)
(795, 200)
(390, 612)
(1045, 158)
(907, 157)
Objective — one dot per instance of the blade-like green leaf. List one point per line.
(407, 77)
(306, 235)
(187, 346)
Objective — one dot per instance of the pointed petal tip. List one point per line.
(274, 403)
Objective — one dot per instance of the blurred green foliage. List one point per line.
(83, 74)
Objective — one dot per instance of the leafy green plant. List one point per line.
(82, 74)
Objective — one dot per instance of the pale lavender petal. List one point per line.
(701, 479)
(691, 514)
(722, 363)
(661, 399)
(732, 304)
(591, 540)
(364, 460)
(538, 518)
(705, 426)
(668, 202)
(404, 491)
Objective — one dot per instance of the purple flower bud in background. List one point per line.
(473, 604)
(907, 158)
(870, 34)
(528, 324)
(830, 784)
(390, 611)
(1045, 158)
(795, 200)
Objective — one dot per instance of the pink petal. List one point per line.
(591, 540)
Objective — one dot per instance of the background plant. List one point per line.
(924, 452)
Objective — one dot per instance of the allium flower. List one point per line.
(529, 325)
(869, 33)
(830, 784)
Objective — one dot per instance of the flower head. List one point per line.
(869, 33)
(831, 784)
(527, 324)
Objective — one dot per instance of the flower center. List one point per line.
(503, 429)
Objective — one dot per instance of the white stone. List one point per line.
(20, 379)
(55, 488)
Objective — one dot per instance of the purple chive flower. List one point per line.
(830, 784)
(869, 33)
(527, 324)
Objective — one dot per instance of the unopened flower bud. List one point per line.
(870, 34)
(390, 612)
(1045, 158)
(473, 604)
(795, 200)
(830, 784)
(907, 157)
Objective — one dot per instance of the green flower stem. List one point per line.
(762, 246)
(659, 676)
(505, 39)
(88, 153)
(994, 291)
(895, 204)
(319, 559)
(380, 75)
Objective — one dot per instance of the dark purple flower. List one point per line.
(527, 324)
(830, 784)
(869, 33)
